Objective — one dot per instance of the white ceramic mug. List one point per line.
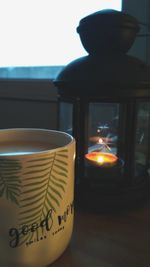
(36, 196)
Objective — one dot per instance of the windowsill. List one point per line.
(34, 72)
(29, 83)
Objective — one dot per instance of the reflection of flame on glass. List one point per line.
(104, 144)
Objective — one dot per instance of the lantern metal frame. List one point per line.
(107, 77)
(127, 191)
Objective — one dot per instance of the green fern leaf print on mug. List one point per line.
(46, 179)
(10, 179)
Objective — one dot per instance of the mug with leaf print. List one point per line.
(36, 196)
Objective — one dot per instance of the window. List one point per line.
(37, 33)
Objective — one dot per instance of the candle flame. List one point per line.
(100, 159)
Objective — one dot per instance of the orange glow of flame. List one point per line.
(101, 158)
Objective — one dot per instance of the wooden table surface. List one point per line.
(109, 240)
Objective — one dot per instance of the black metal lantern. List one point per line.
(105, 104)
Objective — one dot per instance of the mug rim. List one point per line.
(40, 130)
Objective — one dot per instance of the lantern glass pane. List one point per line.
(65, 117)
(103, 127)
(142, 143)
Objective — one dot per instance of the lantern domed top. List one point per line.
(106, 35)
(109, 30)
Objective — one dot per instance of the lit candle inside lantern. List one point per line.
(102, 158)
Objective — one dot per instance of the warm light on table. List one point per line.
(102, 158)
